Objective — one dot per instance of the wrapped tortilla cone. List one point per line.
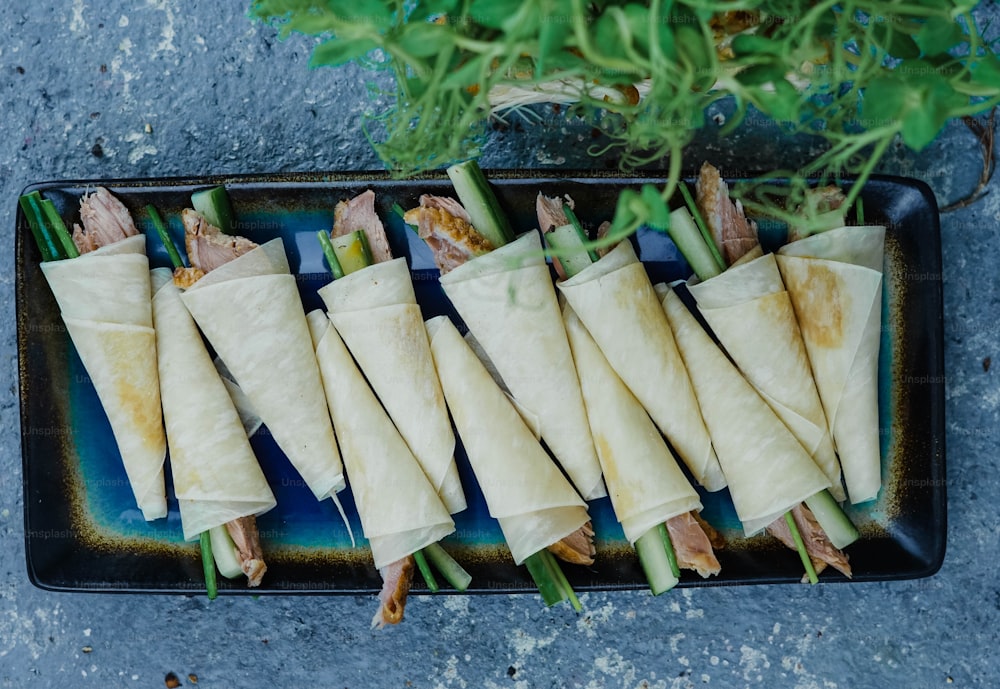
(216, 476)
(250, 311)
(376, 313)
(615, 300)
(104, 297)
(507, 300)
(400, 510)
(748, 309)
(646, 485)
(524, 489)
(767, 469)
(834, 280)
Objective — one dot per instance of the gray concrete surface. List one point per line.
(171, 87)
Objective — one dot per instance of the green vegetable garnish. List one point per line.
(856, 74)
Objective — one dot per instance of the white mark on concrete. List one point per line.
(167, 33)
(77, 24)
(753, 663)
(126, 46)
(451, 676)
(525, 644)
(86, 632)
(457, 604)
(123, 21)
(141, 151)
(714, 660)
(588, 622)
(674, 641)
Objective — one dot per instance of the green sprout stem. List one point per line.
(164, 235)
(800, 546)
(208, 564)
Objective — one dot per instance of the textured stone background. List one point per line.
(170, 87)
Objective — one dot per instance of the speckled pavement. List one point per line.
(94, 90)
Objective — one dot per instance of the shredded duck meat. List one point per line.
(359, 214)
(577, 548)
(692, 540)
(105, 221)
(247, 540)
(549, 210)
(733, 233)
(447, 229)
(821, 551)
(396, 579)
(207, 246)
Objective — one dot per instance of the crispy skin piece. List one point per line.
(732, 232)
(244, 534)
(821, 551)
(105, 221)
(602, 232)
(185, 277)
(717, 540)
(549, 210)
(446, 227)
(692, 545)
(359, 214)
(207, 246)
(396, 580)
(577, 548)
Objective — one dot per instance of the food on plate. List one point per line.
(375, 311)
(749, 311)
(614, 299)
(834, 279)
(100, 279)
(217, 480)
(401, 512)
(503, 291)
(768, 471)
(536, 506)
(647, 488)
(250, 310)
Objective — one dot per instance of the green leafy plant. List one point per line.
(644, 74)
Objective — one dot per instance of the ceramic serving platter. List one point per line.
(83, 531)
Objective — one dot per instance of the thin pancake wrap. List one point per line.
(375, 311)
(615, 300)
(400, 510)
(507, 300)
(250, 311)
(216, 476)
(835, 282)
(104, 298)
(646, 485)
(767, 469)
(524, 489)
(750, 312)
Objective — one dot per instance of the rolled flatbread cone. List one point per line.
(767, 469)
(834, 280)
(645, 484)
(507, 300)
(251, 313)
(524, 489)
(216, 476)
(375, 312)
(750, 312)
(400, 510)
(615, 300)
(104, 298)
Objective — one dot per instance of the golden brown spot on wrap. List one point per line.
(820, 308)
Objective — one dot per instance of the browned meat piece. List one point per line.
(734, 235)
(577, 548)
(185, 277)
(549, 210)
(243, 531)
(602, 232)
(714, 537)
(105, 221)
(821, 551)
(692, 546)
(396, 579)
(359, 214)
(207, 246)
(446, 227)
(824, 206)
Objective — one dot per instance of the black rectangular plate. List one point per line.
(83, 532)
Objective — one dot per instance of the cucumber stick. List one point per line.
(480, 203)
(224, 552)
(214, 206)
(568, 246)
(352, 251)
(655, 562)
